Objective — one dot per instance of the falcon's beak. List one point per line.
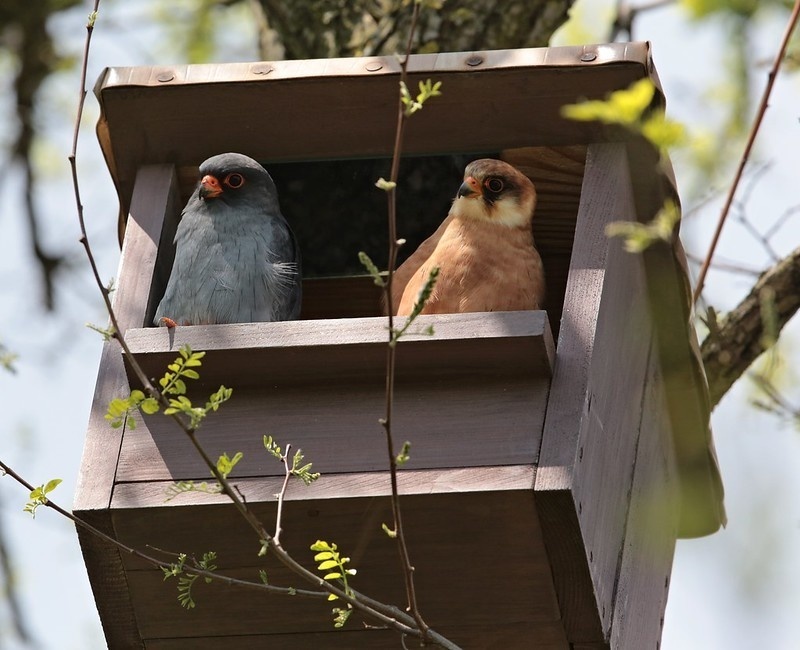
(470, 188)
(210, 187)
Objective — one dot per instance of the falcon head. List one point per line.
(497, 192)
(234, 178)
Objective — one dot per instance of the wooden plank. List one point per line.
(155, 202)
(557, 174)
(109, 582)
(337, 486)
(519, 636)
(609, 432)
(154, 197)
(563, 540)
(584, 288)
(527, 333)
(356, 98)
(155, 194)
(493, 537)
(454, 421)
(591, 427)
(497, 342)
(643, 581)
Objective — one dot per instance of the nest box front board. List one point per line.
(536, 467)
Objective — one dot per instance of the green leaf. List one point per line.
(404, 456)
(51, 485)
(389, 531)
(422, 298)
(324, 555)
(38, 496)
(272, 447)
(225, 464)
(663, 132)
(331, 576)
(638, 236)
(150, 406)
(106, 332)
(117, 407)
(327, 564)
(372, 269)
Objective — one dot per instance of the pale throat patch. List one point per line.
(507, 211)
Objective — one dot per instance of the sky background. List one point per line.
(737, 589)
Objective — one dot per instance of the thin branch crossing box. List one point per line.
(556, 455)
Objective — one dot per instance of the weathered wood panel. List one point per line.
(448, 422)
(609, 430)
(451, 534)
(155, 205)
(589, 397)
(514, 636)
(319, 385)
(155, 196)
(109, 582)
(145, 494)
(651, 529)
(253, 99)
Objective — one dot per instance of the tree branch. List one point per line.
(762, 109)
(738, 339)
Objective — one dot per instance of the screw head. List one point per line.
(261, 69)
(373, 66)
(163, 77)
(474, 60)
(588, 56)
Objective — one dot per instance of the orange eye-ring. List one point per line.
(234, 181)
(494, 184)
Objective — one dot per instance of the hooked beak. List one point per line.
(210, 187)
(470, 188)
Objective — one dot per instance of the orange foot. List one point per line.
(168, 322)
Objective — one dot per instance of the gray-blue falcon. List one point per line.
(236, 258)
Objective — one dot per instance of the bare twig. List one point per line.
(282, 494)
(394, 246)
(727, 265)
(762, 109)
(154, 561)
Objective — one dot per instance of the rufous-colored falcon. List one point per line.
(484, 249)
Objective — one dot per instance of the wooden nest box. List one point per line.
(556, 455)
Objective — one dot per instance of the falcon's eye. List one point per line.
(494, 184)
(234, 181)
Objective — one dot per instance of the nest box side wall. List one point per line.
(598, 415)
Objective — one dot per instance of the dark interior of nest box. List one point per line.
(336, 211)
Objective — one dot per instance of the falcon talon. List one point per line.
(167, 322)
